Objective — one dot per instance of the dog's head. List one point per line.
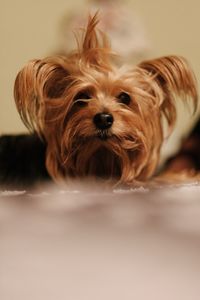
(98, 118)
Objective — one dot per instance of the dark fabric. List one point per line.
(188, 156)
(22, 161)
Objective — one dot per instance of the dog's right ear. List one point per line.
(38, 81)
(174, 77)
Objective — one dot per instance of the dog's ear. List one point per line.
(38, 81)
(175, 78)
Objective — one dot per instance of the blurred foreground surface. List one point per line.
(92, 243)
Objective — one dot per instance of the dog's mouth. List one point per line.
(103, 134)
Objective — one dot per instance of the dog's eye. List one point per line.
(81, 97)
(124, 98)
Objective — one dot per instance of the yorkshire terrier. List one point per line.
(93, 117)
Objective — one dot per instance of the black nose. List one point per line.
(103, 120)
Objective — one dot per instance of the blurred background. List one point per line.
(138, 29)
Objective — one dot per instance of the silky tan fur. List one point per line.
(47, 97)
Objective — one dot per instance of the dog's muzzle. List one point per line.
(103, 122)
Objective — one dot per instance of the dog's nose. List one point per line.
(103, 120)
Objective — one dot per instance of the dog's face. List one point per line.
(99, 119)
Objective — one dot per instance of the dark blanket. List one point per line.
(22, 160)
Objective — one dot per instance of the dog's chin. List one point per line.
(103, 155)
(104, 164)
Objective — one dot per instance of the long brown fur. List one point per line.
(46, 97)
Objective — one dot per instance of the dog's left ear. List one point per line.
(174, 77)
(37, 82)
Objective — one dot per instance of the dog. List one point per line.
(93, 117)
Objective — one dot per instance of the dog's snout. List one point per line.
(103, 120)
